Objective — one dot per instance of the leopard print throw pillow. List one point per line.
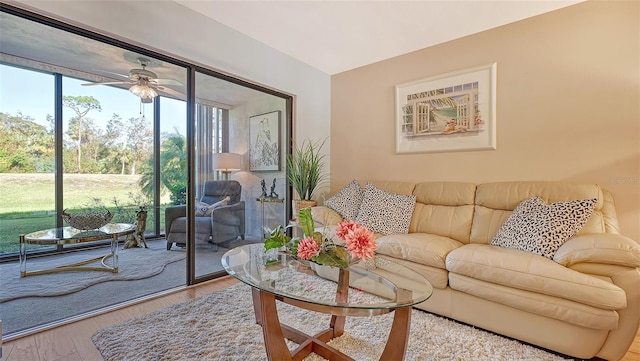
(384, 212)
(347, 201)
(541, 228)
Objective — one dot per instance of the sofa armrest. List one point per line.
(603, 248)
(236, 207)
(171, 213)
(628, 279)
(232, 214)
(325, 216)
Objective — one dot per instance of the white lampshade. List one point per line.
(143, 90)
(227, 162)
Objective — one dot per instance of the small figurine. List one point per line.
(273, 190)
(264, 189)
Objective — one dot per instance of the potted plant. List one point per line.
(305, 172)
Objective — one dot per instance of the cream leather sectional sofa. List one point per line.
(585, 302)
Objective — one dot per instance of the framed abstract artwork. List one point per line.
(446, 113)
(264, 142)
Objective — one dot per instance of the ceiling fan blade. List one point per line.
(171, 93)
(125, 76)
(107, 83)
(167, 82)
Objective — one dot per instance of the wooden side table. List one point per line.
(262, 201)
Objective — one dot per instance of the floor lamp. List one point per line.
(227, 163)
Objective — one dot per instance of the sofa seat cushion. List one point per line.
(529, 272)
(558, 308)
(438, 277)
(203, 225)
(423, 248)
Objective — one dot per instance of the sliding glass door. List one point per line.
(80, 134)
(227, 122)
(93, 123)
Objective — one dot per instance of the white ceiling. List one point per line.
(332, 36)
(336, 36)
(34, 45)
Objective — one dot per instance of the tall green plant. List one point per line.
(173, 169)
(305, 168)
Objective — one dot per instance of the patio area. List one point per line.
(37, 301)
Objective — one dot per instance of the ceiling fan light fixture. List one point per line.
(143, 91)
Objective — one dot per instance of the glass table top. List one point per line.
(73, 235)
(374, 284)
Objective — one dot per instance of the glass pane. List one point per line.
(173, 155)
(108, 139)
(108, 144)
(222, 125)
(26, 155)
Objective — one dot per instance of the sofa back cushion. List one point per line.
(496, 201)
(405, 188)
(444, 209)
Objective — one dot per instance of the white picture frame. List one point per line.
(447, 113)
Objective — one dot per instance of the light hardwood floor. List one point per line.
(72, 342)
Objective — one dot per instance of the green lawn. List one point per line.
(27, 200)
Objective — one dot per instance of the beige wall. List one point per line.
(568, 107)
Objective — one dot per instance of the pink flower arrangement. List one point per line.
(307, 248)
(359, 241)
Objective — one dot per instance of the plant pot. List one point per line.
(301, 204)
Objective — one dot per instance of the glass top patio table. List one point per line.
(375, 285)
(70, 235)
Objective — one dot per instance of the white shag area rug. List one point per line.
(222, 327)
(133, 264)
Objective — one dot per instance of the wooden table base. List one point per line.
(274, 333)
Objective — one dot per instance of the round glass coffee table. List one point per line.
(370, 288)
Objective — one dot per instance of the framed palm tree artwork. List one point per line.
(264, 133)
(446, 113)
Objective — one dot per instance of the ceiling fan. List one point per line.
(144, 83)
